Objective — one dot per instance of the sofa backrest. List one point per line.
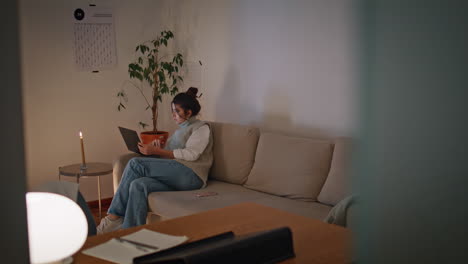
(233, 151)
(337, 185)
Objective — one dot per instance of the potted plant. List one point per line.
(159, 73)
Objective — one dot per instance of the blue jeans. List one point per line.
(145, 175)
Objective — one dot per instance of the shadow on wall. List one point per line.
(277, 116)
(276, 111)
(228, 103)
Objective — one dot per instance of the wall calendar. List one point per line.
(94, 38)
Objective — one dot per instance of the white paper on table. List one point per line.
(124, 253)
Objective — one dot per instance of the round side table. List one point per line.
(93, 169)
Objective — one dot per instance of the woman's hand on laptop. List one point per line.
(148, 149)
(155, 148)
(157, 143)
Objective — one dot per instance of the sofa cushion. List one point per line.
(233, 151)
(180, 203)
(291, 167)
(336, 187)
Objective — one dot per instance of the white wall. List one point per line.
(282, 65)
(287, 66)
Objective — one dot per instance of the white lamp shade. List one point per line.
(57, 227)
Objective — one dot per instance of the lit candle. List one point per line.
(83, 161)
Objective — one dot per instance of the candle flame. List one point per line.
(81, 135)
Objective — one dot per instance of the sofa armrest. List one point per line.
(119, 166)
(351, 214)
(343, 213)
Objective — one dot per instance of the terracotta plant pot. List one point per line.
(148, 136)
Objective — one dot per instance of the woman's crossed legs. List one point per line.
(141, 177)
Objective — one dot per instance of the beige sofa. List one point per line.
(300, 175)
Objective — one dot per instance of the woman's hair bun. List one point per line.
(192, 91)
(188, 100)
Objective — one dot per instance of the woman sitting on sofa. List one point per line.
(184, 165)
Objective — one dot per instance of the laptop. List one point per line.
(131, 139)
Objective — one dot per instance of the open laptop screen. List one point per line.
(131, 139)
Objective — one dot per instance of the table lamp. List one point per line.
(57, 227)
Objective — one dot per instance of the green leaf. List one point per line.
(138, 76)
(174, 90)
(143, 48)
(143, 125)
(140, 60)
(180, 78)
(151, 64)
(162, 78)
(181, 63)
(120, 107)
(164, 88)
(138, 68)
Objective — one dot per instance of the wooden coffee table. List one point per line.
(314, 240)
